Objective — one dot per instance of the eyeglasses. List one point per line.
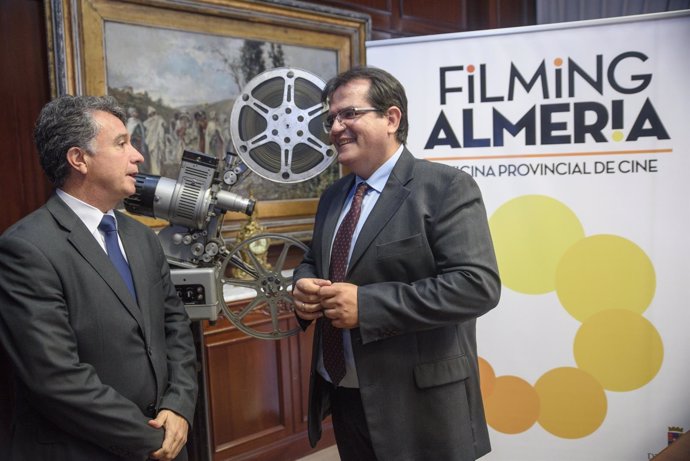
(349, 113)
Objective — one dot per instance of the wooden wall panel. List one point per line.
(246, 380)
(245, 388)
(450, 15)
(496, 14)
(258, 393)
(404, 18)
(382, 12)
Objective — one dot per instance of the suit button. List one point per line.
(151, 410)
(149, 350)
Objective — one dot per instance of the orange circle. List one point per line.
(470, 68)
(487, 378)
(558, 62)
(513, 406)
(573, 403)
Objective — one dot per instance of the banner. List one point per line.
(579, 137)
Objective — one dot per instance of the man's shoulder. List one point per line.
(37, 230)
(33, 223)
(436, 170)
(439, 178)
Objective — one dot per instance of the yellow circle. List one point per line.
(621, 349)
(617, 135)
(604, 272)
(513, 406)
(530, 235)
(573, 403)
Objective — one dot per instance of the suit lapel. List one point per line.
(85, 244)
(390, 201)
(137, 265)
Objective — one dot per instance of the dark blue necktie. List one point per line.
(112, 246)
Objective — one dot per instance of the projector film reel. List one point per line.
(276, 126)
(271, 282)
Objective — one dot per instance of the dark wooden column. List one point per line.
(24, 89)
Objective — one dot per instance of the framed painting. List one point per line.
(177, 68)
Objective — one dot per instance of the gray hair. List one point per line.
(67, 122)
(385, 91)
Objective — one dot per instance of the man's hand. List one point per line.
(176, 428)
(307, 299)
(339, 302)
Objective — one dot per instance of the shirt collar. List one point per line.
(379, 178)
(90, 215)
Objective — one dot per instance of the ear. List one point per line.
(393, 114)
(76, 157)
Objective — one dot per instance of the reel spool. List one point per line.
(272, 284)
(276, 126)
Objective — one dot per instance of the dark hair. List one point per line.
(67, 122)
(385, 91)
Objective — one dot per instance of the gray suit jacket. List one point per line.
(425, 266)
(90, 363)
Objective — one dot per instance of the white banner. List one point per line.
(579, 136)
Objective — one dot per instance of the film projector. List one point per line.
(276, 128)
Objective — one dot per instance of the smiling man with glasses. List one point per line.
(400, 266)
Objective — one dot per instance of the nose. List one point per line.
(338, 127)
(137, 156)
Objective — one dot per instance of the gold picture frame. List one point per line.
(77, 52)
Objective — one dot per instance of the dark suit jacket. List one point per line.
(90, 363)
(425, 266)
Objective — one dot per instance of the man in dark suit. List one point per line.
(421, 270)
(102, 372)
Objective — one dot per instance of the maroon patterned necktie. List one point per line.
(333, 355)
